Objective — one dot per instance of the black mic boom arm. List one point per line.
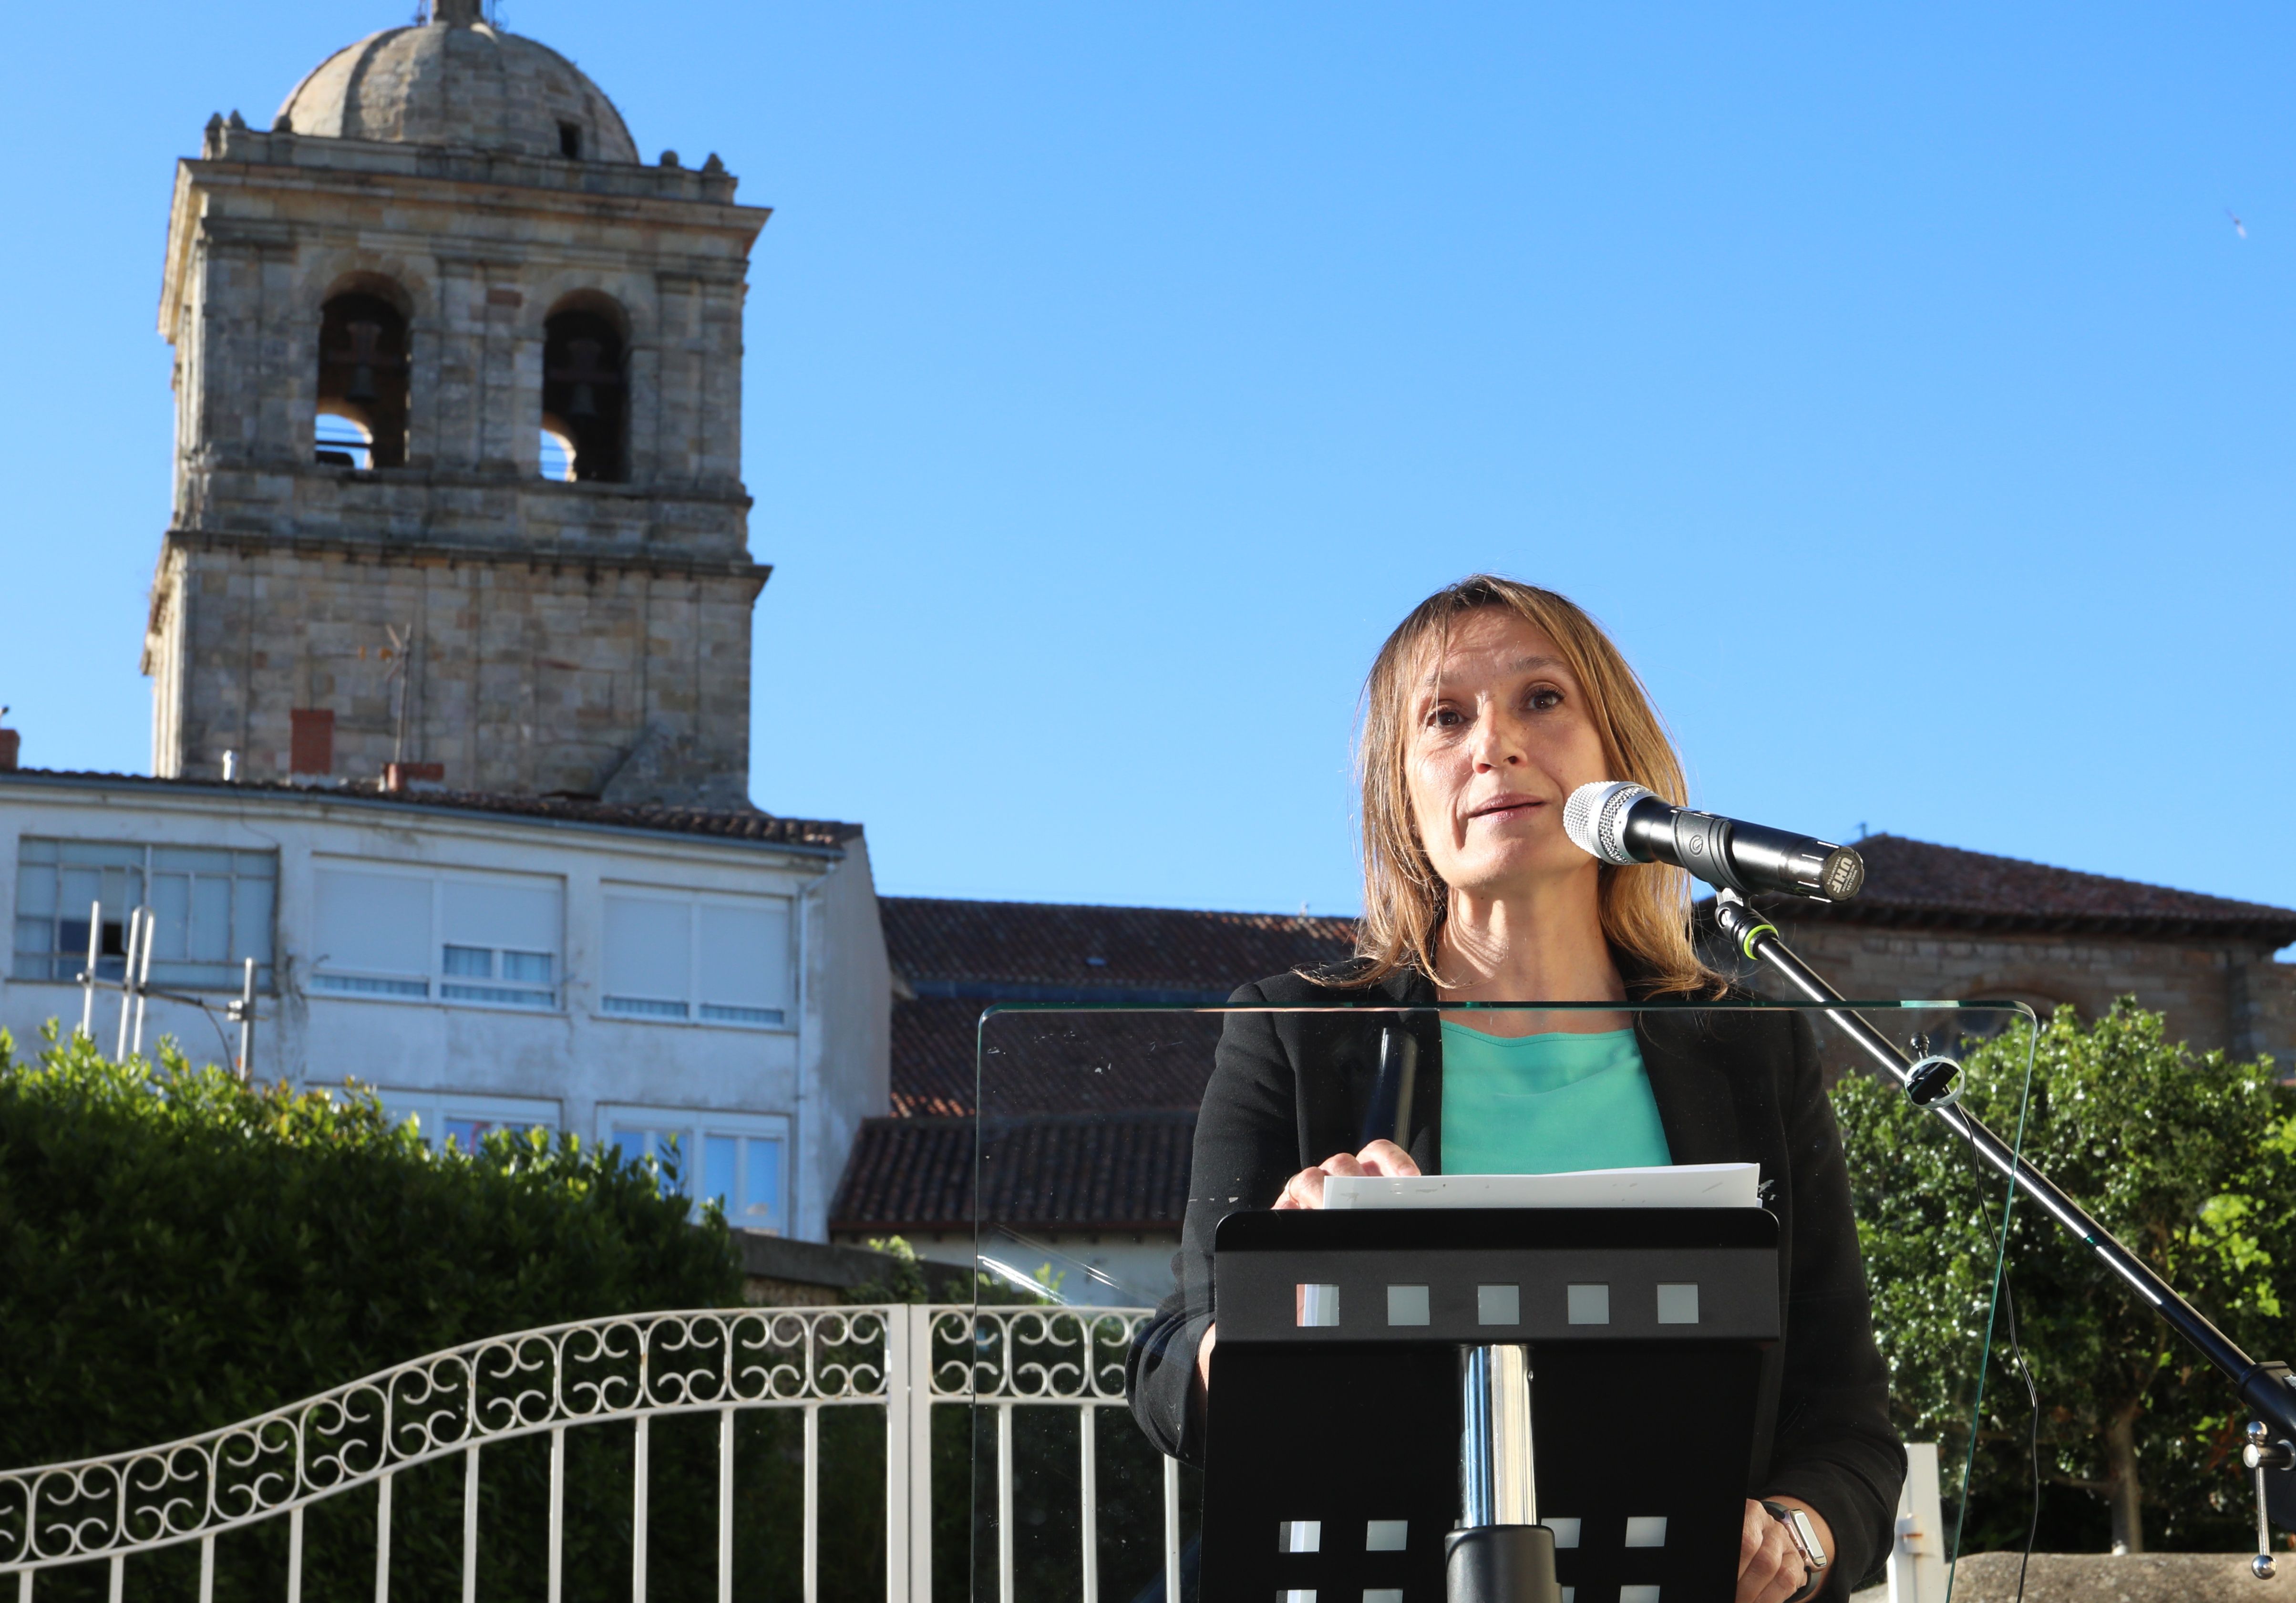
(2268, 1387)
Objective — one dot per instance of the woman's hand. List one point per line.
(1769, 1565)
(1304, 1189)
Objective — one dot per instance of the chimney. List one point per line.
(400, 777)
(11, 744)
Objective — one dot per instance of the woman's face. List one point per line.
(1501, 735)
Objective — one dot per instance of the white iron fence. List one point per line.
(906, 1360)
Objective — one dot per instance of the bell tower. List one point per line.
(458, 402)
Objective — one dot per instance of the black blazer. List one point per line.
(1288, 1090)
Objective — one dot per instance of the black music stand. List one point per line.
(1333, 1435)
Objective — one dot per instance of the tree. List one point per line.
(2190, 1159)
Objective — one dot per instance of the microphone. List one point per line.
(1622, 823)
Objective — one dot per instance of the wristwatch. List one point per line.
(1805, 1537)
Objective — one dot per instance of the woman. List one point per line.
(1488, 705)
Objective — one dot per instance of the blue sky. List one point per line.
(1891, 379)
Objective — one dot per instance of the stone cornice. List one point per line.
(727, 493)
(587, 559)
(244, 147)
(669, 199)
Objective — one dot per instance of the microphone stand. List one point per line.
(2268, 1387)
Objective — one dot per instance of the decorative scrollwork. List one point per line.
(1025, 1354)
(508, 1385)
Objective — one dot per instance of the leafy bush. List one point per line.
(179, 1250)
(2190, 1159)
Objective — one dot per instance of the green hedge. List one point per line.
(178, 1251)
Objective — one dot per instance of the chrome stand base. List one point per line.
(1500, 1564)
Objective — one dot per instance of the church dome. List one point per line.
(459, 81)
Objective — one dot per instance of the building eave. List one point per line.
(2269, 933)
(200, 795)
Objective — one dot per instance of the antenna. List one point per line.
(402, 643)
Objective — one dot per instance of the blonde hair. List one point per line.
(1644, 910)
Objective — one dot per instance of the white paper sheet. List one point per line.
(1678, 1186)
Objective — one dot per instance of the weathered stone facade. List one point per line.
(2209, 991)
(1940, 922)
(587, 635)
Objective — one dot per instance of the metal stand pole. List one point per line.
(144, 975)
(2268, 1387)
(243, 1012)
(127, 983)
(87, 975)
(1501, 1553)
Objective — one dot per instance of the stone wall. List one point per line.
(623, 678)
(2216, 995)
(2108, 1578)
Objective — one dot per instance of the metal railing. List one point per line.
(906, 1359)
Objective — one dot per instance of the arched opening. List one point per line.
(585, 395)
(557, 454)
(342, 442)
(363, 367)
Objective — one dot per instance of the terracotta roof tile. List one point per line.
(960, 958)
(1052, 951)
(1046, 1060)
(1916, 883)
(1128, 1171)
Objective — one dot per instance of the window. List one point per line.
(734, 1159)
(570, 141)
(212, 910)
(445, 1119)
(418, 935)
(362, 368)
(584, 395)
(709, 959)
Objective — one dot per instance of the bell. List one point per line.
(364, 337)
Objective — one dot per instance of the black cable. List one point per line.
(2033, 1435)
(2024, 1365)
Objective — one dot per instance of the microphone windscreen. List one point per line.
(1595, 817)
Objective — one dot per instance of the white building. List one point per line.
(633, 974)
(458, 573)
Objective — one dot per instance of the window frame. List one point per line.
(65, 968)
(522, 1113)
(441, 989)
(694, 1003)
(701, 1126)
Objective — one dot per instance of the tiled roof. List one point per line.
(958, 958)
(1101, 1172)
(1046, 1060)
(1091, 1114)
(1918, 883)
(1056, 952)
(735, 824)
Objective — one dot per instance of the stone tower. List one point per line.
(458, 403)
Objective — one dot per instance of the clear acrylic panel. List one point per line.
(1087, 1118)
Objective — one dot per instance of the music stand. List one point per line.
(1354, 1346)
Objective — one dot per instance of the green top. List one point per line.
(1546, 1104)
